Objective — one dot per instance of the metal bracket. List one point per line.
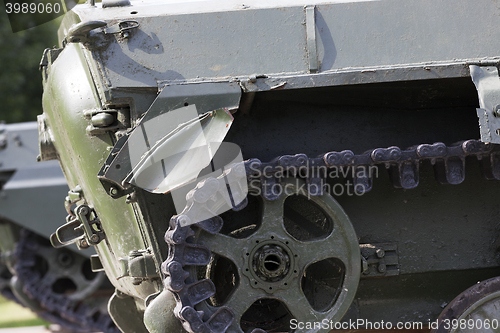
(312, 50)
(379, 259)
(84, 229)
(91, 224)
(48, 57)
(123, 28)
(205, 96)
(487, 83)
(115, 3)
(80, 33)
(45, 140)
(68, 233)
(139, 265)
(74, 195)
(107, 120)
(95, 263)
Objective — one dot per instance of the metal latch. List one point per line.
(82, 32)
(123, 28)
(379, 259)
(82, 229)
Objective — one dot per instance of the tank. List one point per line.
(57, 284)
(282, 166)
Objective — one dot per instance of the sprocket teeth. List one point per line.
(178, 234)
(200, 291)
(193, 321)
(175, 275)
(212, 225)
(221, 320)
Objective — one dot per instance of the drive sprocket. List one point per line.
(297, 261)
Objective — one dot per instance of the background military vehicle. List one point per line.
(345, 112)
(57, 284)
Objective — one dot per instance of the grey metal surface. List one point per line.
(33, 196)
(178, 42)
(269, 47)
(18, 146)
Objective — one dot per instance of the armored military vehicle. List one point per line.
(274, 166)
(57, 284)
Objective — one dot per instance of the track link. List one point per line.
(403, 168)
(78, 316)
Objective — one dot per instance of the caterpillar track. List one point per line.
(184, 254)
(38, 278)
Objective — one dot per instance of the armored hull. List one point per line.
(281, 166)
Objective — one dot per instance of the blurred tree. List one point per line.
(20, 80)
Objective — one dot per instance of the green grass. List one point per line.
(15, 315)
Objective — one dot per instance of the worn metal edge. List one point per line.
(347, 76)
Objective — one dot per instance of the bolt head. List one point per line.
(113, 191)
(496, 111)
(83, 243)
(84, 210)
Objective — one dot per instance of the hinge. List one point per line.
(109, 120)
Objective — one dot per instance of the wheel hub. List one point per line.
(270, 264)
(301, 259)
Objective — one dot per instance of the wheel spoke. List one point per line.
(297, 304)
(46, 253)
(80, 281)
(333, 246)
(225, 246)
(240, 300)
(48, 279)
(272, 217)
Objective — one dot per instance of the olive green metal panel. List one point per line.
(68, 93)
